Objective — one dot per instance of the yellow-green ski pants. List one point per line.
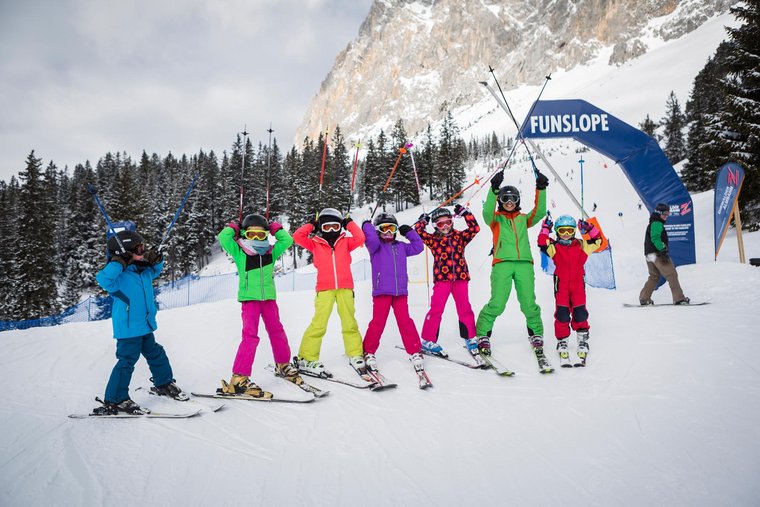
(311, 343)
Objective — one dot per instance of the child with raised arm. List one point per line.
(569, 255)
(326, 239)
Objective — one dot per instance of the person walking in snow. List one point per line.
(451, 275)
(331, 248)
(569, 255)
(659, 263)
(512, 259)
(248, 245)
(128, 278)
(389, 285)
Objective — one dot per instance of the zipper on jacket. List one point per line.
(395, 271)
(517, 240)
(261, 277)
(335, 268)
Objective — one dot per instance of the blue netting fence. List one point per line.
(186, 291)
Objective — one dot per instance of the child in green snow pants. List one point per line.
(311, 343)
(502, 275)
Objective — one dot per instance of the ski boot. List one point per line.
(564, 356)
(370, 361)
(288, 372)
(472, 347)
(312, 368)
(419, 368)
(241, 384)
(126, 407)
(537, 342)
(433, 348)
(357, 363)
(582, 347)
(684, 301)
(170, 390)
(484, 344)
(646, 302)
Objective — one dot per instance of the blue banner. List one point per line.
(727, 187)
(637, 154)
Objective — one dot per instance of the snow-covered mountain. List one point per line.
(414, 59)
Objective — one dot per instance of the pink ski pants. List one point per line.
(270, 313)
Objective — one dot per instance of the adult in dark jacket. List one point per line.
(659, 263)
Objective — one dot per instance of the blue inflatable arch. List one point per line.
(637, 154)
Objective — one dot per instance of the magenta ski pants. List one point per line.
(268, 311)
(441, 291)
(381, 307)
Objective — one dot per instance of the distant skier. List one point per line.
(389, 285)
(451, 274)
(593, 210)
(128, 278)
(569, 255)
(659, 263)
(335, 284)
(512, 260)
(248, 245)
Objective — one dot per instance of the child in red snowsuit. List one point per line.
(569, 255)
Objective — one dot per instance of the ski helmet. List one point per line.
(509, 194)
(255, 220)
(564, 221)
(385, 218)
(130, 239)
(439, 213)
(328, 215)
(662, 208)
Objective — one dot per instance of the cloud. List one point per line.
(81, 78)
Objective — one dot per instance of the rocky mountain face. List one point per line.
(414, 59)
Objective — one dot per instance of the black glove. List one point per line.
(315, 223)
(404, 229)
(541, 181)
(496, 181)
(459, 209)
(424, 218)
(153, 257)
(345, 222)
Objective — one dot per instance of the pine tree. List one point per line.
(673, 123)
(648, 126)
(449, 159)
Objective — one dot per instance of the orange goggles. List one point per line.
(331, 227)
(440, 224)
(387, 228)
(565, 230)
(252, 234)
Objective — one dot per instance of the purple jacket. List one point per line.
(389, 276)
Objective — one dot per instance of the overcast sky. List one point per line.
(79, 78)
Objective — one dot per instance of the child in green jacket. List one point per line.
(512, 260)
(248, 245)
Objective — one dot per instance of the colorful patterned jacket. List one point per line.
(449, 263)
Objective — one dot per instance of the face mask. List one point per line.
(260, 246)
(331, 236)
(565, 241)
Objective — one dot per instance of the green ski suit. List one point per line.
(512, 260)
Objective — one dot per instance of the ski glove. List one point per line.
(460, 210)
(153, 257)
(424, 218)
(497, 179)
(404, 229)
(235, 225)
(274, 227)
(546, 226)
(584, 226)
(345, 222)
(541, 181)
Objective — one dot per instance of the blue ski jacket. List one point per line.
(134, 304)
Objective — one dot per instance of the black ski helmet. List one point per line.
(328, 215)
(255, 220)
(130, 239)
(509, 193)
(662, 208)
(385, 218)
(439, 213)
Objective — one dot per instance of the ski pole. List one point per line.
(179, 210)
(444, 203)
(419, 196)
(583, 213)
(269, 172)
(324, 155)
(91, 188)
(388, 181)
(242, 168)
(353, 178)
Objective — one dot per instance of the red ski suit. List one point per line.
(569, 284)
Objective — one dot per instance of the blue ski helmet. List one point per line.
(564, 221)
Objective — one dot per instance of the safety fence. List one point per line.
(190, 290)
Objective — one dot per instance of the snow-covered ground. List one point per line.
(664, 413)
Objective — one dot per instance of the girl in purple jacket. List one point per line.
(389, 285)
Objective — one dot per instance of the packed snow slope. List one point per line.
(664, 414)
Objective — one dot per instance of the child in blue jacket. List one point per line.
(128, 278)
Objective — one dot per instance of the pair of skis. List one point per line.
(482, 362)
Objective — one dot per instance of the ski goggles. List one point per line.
(331, 227)
(509, 199)
(392, 228)
(255, 234)
(565, 230)
(444, 222)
